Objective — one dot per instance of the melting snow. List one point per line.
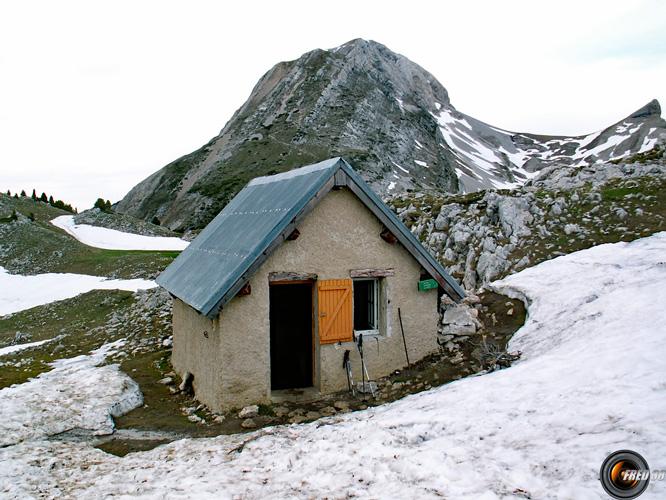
(401, 168)
(20, 347)
(18, 292)
(111, 239)
(591, 381)
(421, 163)
(391, 186)
(76, 394)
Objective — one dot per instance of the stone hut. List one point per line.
(279, 285)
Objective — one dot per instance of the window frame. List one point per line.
(376, 297)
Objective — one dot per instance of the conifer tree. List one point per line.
(51, 201)
(43, 198)
(23, 195)
(34, 195)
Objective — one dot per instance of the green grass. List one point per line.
(78, 322)
(39, 247)
(618, 193)
(648, 156)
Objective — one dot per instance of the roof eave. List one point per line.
(214, 309)
(405, 237)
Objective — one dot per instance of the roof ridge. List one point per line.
(290, 174)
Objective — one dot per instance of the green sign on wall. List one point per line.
(427, 285)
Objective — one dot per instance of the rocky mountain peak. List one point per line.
(387, 115)
(652, 108)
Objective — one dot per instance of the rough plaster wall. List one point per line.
(245, 343)
(193, 352)
(339, 235)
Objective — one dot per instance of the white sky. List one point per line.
(95, 96)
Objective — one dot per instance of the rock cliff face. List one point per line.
(388, 116)
(486, 235)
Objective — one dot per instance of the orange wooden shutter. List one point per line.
(335, 311)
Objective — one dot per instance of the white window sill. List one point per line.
(368, 334)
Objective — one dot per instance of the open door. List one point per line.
(291, 335)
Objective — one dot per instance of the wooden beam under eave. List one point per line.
(388, 236)
(290, 276)
(372, 273)
(246, 290)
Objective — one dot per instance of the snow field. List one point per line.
(592, 380)
(110, 239)
(18, 292)
(76, 394)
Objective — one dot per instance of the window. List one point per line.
(366, 310)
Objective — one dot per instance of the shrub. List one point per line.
(104, 206)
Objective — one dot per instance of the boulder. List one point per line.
(460, 319)
(446, 216)
(514, 216)
(248, 423)
(249, 412)
(571, 229)
(341, 405)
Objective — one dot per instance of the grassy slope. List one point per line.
(37, 247)
(643, 199)
(77, 324)
(80, 323)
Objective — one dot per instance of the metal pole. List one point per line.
(404, 342)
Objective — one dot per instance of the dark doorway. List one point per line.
(291, 335)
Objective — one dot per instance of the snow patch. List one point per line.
(111, 239)
(18, 292)
(4, 351)
(401, 168)
(76, 394)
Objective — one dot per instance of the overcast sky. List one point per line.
(95, 96)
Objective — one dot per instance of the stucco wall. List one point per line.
(340, 234)
(196, 353)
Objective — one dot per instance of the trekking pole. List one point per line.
(364, 368)
(346, 364)
(404, 342)
(360, 351)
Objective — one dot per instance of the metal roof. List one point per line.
(218, 263)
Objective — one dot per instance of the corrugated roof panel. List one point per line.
(241, 232)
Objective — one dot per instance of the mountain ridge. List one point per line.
(388, 116)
